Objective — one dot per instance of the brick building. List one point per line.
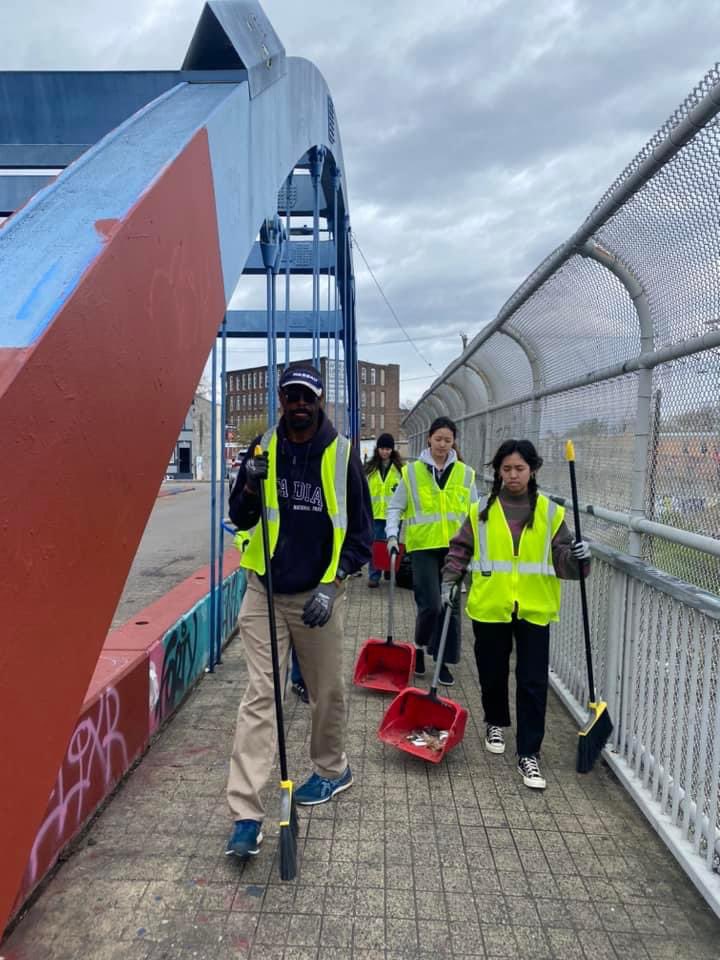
(379, 388)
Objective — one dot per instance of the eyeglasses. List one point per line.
(299, 395)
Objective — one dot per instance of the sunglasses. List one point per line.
(299, 395)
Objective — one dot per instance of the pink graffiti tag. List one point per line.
(87, 769)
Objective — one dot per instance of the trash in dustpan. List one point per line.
(381, 557)
(383, 664)
(423, 723)
(429, 737)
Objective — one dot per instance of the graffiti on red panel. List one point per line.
(96, 757)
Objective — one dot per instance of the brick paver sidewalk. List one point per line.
(416, 860)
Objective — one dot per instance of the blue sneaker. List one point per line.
(245, 839)
(317, 789)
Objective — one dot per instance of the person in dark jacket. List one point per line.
(384, 473)
(320, 531)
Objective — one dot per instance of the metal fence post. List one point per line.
(637, 294)
(615, 652)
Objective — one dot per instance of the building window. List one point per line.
(363, 374)
(382, 421)
(364, 398)
(372, 398)
(254, 379)
(382, 398)
(382, 376)
(372, 421)
(372, 375)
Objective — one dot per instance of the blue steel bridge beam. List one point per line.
(133, 254)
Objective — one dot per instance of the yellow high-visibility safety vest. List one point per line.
(433, 516)
(333, 474)
(381, 491)
(500, 579)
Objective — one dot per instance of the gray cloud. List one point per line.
(476, 138)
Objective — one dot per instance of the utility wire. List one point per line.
(379, 343)
(389, 306)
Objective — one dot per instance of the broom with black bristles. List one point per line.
(288, 811)
(596, 732)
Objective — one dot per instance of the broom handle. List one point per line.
(583, 591)
(441, 647)
(391, 601)
(273, 636)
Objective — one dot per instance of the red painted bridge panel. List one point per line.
(88, 420)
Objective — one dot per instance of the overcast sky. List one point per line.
(477, 134)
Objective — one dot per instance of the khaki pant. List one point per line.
(319, 650)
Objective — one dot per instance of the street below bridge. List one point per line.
(176, 542)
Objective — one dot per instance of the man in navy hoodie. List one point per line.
(320, 531)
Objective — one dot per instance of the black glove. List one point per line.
(580, 549)
(256, 469)
(318, 609)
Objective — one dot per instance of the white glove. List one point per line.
(392, 545)
(580, 549)
(448, 592)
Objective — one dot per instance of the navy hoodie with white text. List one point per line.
(304, 547)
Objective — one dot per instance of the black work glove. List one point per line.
(256, 469)
(318, 609)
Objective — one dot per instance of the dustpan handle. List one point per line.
(391, 601)
(441, 646)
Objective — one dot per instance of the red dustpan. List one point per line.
(383, 664)
(381, 557)
(423, 723)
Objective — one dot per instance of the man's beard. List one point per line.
(301, 420)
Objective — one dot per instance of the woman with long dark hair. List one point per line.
(518, 547)
(432, 502)
(383, 471)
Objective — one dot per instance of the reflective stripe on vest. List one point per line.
(381, 490)
(429, 529)
(333, 473)
(501, 580)
(486, 566)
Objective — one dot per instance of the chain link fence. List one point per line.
(641, 278)
(614, 342)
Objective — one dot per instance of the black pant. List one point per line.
(493, 644)
(427, 570)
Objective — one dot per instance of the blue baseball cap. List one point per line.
(302, 376)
